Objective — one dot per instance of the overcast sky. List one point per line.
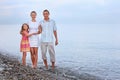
(62, 11)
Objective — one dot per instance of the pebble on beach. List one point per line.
(12, 69)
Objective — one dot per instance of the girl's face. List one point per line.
(25, 27)
(33, 15)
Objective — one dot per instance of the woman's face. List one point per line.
(25, 27)
(33, 15)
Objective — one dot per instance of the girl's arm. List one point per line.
(27, 34)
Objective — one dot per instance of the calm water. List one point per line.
(93, 49)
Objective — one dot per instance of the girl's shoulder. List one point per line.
(25, 32)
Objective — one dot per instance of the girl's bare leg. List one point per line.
(24, 58)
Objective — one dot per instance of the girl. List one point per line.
(25, 46)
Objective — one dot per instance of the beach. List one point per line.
(12, 69)
(87, 33)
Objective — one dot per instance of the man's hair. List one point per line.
(46, 11)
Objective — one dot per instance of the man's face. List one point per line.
(46, 14)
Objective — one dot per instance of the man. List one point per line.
(48, 28)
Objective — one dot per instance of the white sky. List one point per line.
(63, 11)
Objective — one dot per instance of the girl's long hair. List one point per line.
(22, 28)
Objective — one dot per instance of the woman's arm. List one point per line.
(39, 29)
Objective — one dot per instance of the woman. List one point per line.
(34, 39)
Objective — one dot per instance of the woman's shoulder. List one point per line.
(29, 22)
(36, 22)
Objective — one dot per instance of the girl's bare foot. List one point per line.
(23, 64)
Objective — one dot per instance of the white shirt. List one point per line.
(33, 28)
(48, 27)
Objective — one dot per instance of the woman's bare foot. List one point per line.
(33, 66)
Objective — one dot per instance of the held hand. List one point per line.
(34, 33)
(56, 42)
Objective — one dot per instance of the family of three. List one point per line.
(30, 39)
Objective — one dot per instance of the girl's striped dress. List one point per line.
(25, 46)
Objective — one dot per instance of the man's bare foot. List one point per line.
(53, 66)
(46, 65)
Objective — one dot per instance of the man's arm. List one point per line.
(55, 34)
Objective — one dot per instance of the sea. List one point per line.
(83, 48)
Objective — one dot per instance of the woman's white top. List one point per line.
(34, 39)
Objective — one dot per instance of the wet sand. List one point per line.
(12, 69)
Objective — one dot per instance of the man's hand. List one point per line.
(55, 34)
(56, 42)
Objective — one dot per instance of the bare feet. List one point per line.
(23, 64)
(46, 65)
(53, 66)
(33, 66)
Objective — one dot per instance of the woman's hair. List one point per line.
(46, 11)
(22, 28)
(33, 12)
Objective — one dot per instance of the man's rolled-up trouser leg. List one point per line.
(51, 52)
(44, 50)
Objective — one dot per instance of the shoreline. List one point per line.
(12, 69)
